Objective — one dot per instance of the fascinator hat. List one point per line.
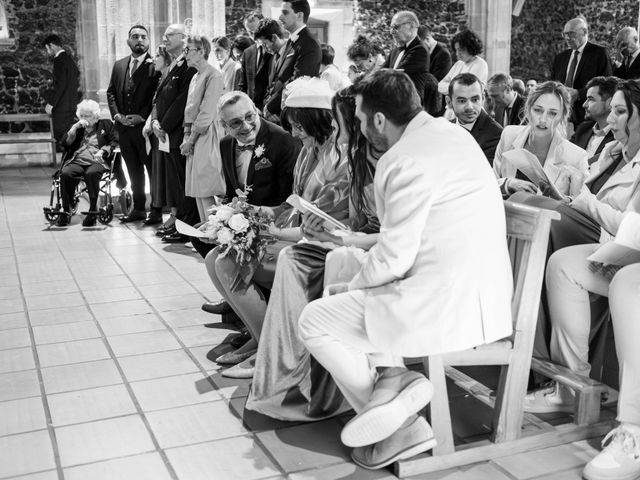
(308, 92)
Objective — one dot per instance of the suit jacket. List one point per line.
(486, 131)
(438, 278)
(609, 204)
(440, 61)
(515, 116)
(132, 95)
(593, 62)
(414, 62)
(300, 58)
(171, 98)
(65, 95)
(583, 134)
(271, 173)
(254, 78)
(632, 73)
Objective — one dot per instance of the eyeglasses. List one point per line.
(397, 26)
(186, 50)
(237, 123)
(569, 34)
(171, 34)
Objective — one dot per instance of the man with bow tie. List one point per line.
(410, 56)
(130, 93)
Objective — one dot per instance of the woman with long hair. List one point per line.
(287, 383)
(228, 66)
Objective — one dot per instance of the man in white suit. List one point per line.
(437, 280)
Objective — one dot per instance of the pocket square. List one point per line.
(262, 164)
(290, 55)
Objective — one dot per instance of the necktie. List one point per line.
(134, 67)
(627, 63)
(258, 57)
(572, 69)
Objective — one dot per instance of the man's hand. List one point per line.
(159, 133)
(186, 148)
(120, 118)
(134, 119)
(48, 108)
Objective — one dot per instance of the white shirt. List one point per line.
(243, 159)
(140, 59)
(467, 126)
(294, 36)
(596, 139)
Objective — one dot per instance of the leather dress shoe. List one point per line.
(133, 216)
(175, 238)
(162, 231)
(406, 442)
(217, 308)
(246, 369)
(396, 396)
(89, 220)
(63, 219)
(240, 339)
(233, 358)
(153, 219)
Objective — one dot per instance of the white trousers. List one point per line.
(333, 330)
(204, 203)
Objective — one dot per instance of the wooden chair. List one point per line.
(30, 137)
(527, 234)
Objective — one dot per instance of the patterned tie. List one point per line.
(572, 69)
(134, 67)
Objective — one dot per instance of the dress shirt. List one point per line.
(630, 59)
(403, 48)
(467, 126)
(507, 110)
(578, 52)
(137, 59)
(243, 159)
(294, 36)
(596, 139)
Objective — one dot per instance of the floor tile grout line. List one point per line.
(502, 470)
(43, 394)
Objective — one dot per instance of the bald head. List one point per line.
(174, 38)
(575, 33)
(627, 41)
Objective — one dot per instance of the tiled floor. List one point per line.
(104, 371)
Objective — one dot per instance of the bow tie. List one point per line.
(402, 48)
(245, 148)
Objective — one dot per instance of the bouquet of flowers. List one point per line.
(241, 231)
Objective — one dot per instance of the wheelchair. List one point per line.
(105, 212)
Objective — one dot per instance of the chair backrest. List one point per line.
(527, 237)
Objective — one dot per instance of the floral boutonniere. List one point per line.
(259, 151)
(149, 60)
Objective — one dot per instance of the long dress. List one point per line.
(288, 384)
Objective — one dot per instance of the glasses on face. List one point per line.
(569, 34)
(396, 27)
(186, 50)
(236, 123)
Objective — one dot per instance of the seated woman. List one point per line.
(366, 58)
(569, 279)
(287, 383)
(547, 111)
(88, 143)
(320, 176)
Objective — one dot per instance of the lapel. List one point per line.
(139, 73)
(607, 138)
(479, 125)
(282, 58)
(171, 73)
(260, 139)
(235, 182)
(582, 61)
(123, 68)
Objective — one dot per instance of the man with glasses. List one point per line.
(130, 95)
(256, 153)
(629, 48)
(410, 56)
(579, 63)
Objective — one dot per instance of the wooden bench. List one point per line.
(527, 235)
(29, 137)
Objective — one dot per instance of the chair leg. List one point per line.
(439, 407)
(509, 406)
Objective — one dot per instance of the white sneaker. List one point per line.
(619, 459)
(548, 399)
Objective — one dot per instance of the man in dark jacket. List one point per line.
(130, 93)
(509, 104)
(63, 97)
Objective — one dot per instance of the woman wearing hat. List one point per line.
(320, 177)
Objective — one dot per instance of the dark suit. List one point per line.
(300, 58)
(414, 62)
(486, 131)
(271, 184)
(171, 98)
(631, 73)
(594, 62)
(440, 61)
(254, 77)
(515, 116)
(64, 95)
(583, 134)
(133, 94)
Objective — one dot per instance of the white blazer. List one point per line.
(609, 204)
(561, 152)
(439, 277)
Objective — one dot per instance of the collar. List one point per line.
(581, 48)
(59, 52)
(600, 132)
(512, 103)
(406, 45)
(634, 55)
(283, 49)
(627, 159)
(467, 126)
(294, 36)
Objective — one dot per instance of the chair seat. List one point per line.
(502, 344)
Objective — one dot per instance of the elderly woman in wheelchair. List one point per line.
(88, 147)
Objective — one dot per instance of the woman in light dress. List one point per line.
(228, 66)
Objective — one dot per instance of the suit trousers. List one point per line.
(62, 121)
(72, 173)
(136, 158)
(624, 298)
(333, 330)
(174, 179)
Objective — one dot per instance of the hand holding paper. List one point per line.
(304, 206)
(529, 164)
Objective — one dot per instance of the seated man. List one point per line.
(508, 103)
(437, 280)
(466, 99)
(593, 134)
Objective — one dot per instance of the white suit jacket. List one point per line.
(608, 205)
(561, 151)
(439, 277)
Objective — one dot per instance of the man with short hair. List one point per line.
(410, 55)
(629, 48)
(437, 280)
(64, 96)
(130, 95)
(300, 55)
(439, 56)
(531, 84)
(578, 64)
(466, 100)
(594, 133)
(251, 21)
(508, 104)
(255, 62)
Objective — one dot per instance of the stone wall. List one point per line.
(25, 69)
(536, 34)
(235, 12)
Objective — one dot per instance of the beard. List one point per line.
(377, 140)
(139, 49)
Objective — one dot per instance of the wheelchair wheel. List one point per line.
(106, 214)
(50, 216)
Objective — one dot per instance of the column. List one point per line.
(491, 20)
(88, 49)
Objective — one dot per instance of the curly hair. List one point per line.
(362, 47)
(468, 41)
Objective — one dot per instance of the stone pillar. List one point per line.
(88, 48)
(208, 17)
(491, 20)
